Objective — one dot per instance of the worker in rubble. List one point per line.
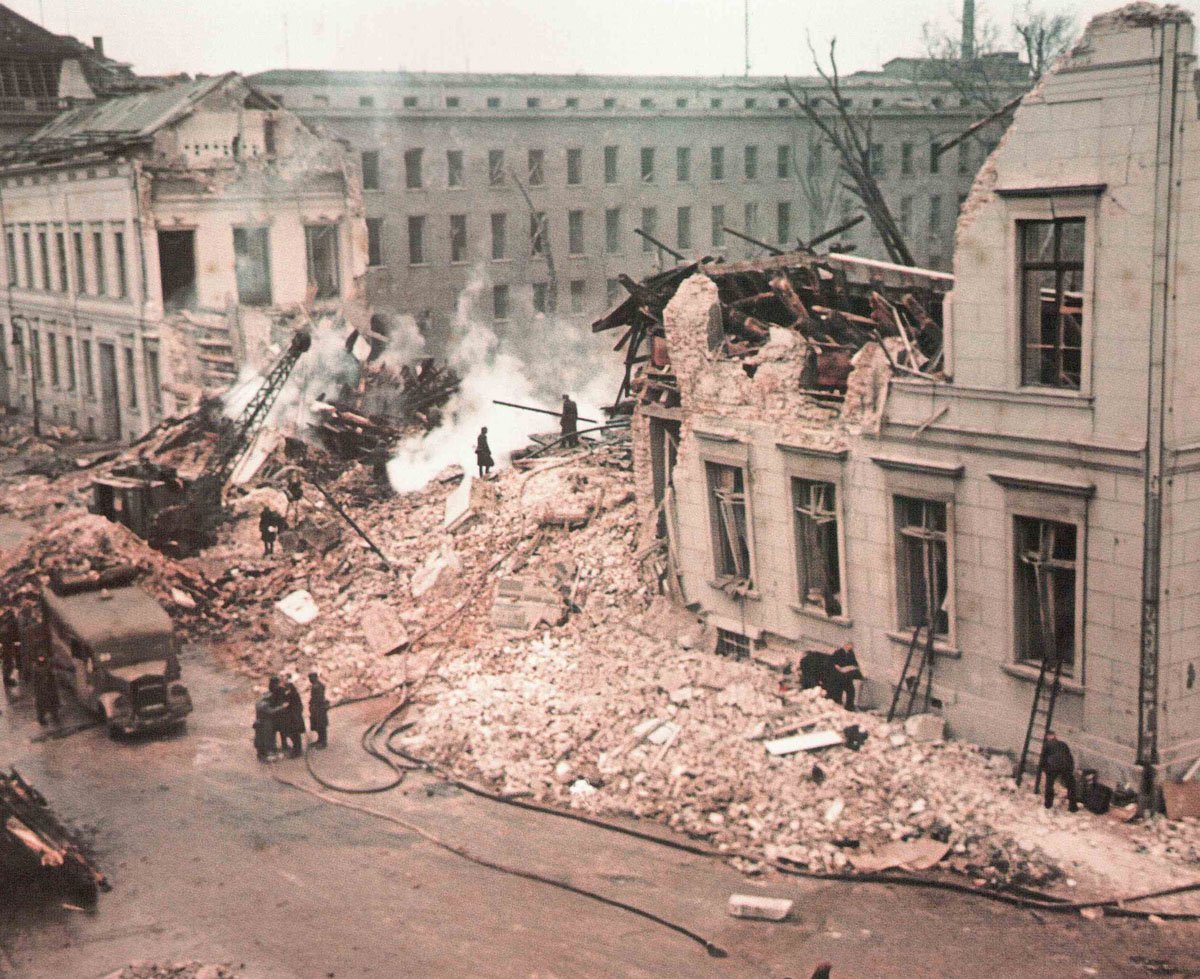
(269, 525)
(9, 639)
(483, 454)
(45, 690)
(295, 493)
(845, 671)
(1058, 763)
(293, 719)
(318, 710)
(570, 421)
(264, 727)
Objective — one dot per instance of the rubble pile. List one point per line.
(175, 970)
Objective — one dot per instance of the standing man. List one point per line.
(570, 421)
(293, 719)
(295, 493)
(845, 672)
(268, 528)
(264, 727)
(45, 690)
(483, 454)
(318, 709)
(1058, 762)
(9, 637)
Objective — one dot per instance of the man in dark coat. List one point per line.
(318, 710)
(269, 525)
(1058, 762)
(483, 454)
(9, 638)
(293, 719)
(570, 421)
(264, 727)
(845, 671)
(45, 690)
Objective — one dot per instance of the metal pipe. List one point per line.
(754, 241)
(540, 411)
(341, 512)
(658, 244)
(834, 232)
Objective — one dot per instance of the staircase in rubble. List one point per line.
(218, 349)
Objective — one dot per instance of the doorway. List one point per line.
(177, 268)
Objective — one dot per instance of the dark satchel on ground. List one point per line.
(1095, 797)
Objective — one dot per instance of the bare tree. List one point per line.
(1044, 36)
(851, 138)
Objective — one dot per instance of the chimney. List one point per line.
(98, 45)
(968, 31)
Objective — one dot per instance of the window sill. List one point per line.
(721, 585)
(418, 265)
(812, 612)
(502, 261)
(1030, 674)
(1051, 392)
(940, 648)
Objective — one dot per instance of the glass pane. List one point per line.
(1037, 241)
(1039, 322)
(1070, 245)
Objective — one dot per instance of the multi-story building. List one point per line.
(534, 184)
(152, 244)
(1037, 499)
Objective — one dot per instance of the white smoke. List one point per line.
(534, 367)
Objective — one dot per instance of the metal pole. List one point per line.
(659, 245)
(540, 411)
(754, 241)
(341, 512)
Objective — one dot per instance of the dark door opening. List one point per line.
(177, 268)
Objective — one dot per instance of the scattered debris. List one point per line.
(759, 908)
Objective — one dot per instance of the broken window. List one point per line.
(574, 167)
(650, 226)
(683, 228)
(1051, 270)
(575, 232)
(732, 644)
(577, 287)
(370, 169)
(495, 167)
(610, 164)
(716, 162)
(538, 233)
(750, 163)
(374, 241)
(730, 531)
(783, 162)
(122, 269)
(321, 241)
(60, 254)
(683, 164)
(252, 265)
(500, 302)
(499, 236)
(922, 564)
(176, 267)
(818, 569)
(783, 222)
(537, 168)
(718, 225)
(1045, 568)
(458, 237)
(612, 230)
(664, 452)
(416, 239)
(906, 159)
(647, 164)
(412, 169)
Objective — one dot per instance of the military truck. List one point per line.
(115, 647)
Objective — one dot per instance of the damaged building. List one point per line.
(155, 243)
(992, 480)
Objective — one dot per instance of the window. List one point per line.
(922, 564)
(130, 378)
(714, 103)
(495, 167)
(499, 237)
(612, 291)
(650, 226)
(533, 102)
(964, 157)
(11, 250)
(374, 242)
(783, 103)
(783, 162)
(493, 102)
(27, 253)
(85, 351)
(35, 356)
(610, 103)
(252, 264)
(783, 222)
(727, 514)
(453, 101)
(537, 168)
(1051, 270)
(458, 238)
(454, 168)
(906, 159)
(751, 103)
(732, 644)
(818, 567)
(572, 102)
(539, 230)
(716, 162)
(610, 164)
(80, 267)
(647, 164)
(366, 101)
(683, 228)
(750, 163)
(500, 302)
(370, 169)
(52, 350)
(935, 161)
(750, 219)
(935, 215)
(683, 164)
(816, 159)
(321, 100)
(878, 168)
(410, 101)
(1044, 596)
(44, 258)
(612, 230)
(321, 248)
(69, 350)
(412, 169)
(541, 294)
(647, 103)
(577, 287)
(416, 239)
(122, 268)
(176, 267)
(575, 232)
(574, 167)
(906, 206)
(718, 225)
(153, 380)
(681, 103)
(60, 256)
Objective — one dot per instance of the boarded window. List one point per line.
(495, 167)
(574, 167)
(727, 513)
(1051, 273)
(1045, 570)
(575, 232)
(412, 168)
(374, 241)
(499, 236)
(370, 169)
(537, 168)
(458, 237)
(252, 263)
(538, 233)
(416, 239)
(321, 247)
(612, 230)
(818, 569)
(922, 571)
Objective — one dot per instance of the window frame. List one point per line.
(720, 512)
(900, 595)
(333, 229)
(1031, 512)
(812, 480)
(265, 232)
(1020, 221)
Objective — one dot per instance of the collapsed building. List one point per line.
(991, 481)
(155, 243)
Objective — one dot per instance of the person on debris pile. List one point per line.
(269, 525)
(9, 638)
(483, 454)
(318, 710)
(293, 719)
(570, 421)
(295, 493)
(45, 690)
(845, 671)
(264, 727)
(1058, 763)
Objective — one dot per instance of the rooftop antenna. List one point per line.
(746, 10)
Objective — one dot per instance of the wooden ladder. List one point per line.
(1045, 696)
(912, 683)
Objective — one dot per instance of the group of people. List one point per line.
(569, 425)
(279, 714)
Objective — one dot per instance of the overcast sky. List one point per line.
(594, 36)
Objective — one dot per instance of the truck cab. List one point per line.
(115, 647)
